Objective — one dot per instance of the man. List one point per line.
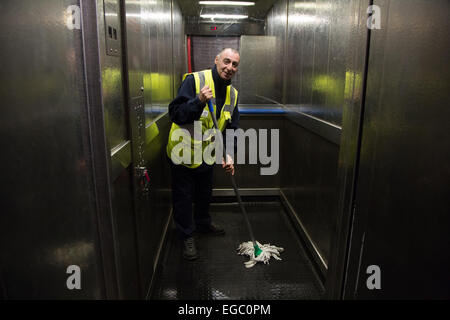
(192, 180)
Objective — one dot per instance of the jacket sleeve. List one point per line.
(233, 124)
(186, 107)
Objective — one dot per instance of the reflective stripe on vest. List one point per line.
(202, 78)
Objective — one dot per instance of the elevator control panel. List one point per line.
(139, 127)
(142, 173)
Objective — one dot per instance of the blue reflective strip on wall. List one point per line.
(261, 111)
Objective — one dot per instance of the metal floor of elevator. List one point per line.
(219, 273)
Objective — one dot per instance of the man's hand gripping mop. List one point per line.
(256, 251)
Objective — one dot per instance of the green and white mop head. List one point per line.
(267, 251)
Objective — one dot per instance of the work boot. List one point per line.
(212, 229)
(189, 250)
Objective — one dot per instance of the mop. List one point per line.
(256, 251)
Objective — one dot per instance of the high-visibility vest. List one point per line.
(186, 136)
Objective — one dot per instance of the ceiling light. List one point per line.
(227, 3)
(312, 5)
(307, 19)
(223, 16)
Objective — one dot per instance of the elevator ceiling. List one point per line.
(256, 12)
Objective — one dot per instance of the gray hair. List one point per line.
(233, 50)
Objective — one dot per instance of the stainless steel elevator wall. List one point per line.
(354, 64)
(117, 129)
(47, 221)
(312, 49)
(158, 32)
(313, 40)
(248, 175)
(71, 196)
(259, 70)
(317, 40)
(309, 183)
(401, 218)
(179, 46)
(364, 146)
(276, 27)
(156, 61)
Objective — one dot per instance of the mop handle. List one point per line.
(211, 110)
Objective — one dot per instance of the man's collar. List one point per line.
(217, 79)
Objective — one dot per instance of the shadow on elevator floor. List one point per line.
(219, 273)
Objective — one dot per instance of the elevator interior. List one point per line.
(364, 148)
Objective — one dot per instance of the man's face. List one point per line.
(227, 64)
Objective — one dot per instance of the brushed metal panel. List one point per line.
(163, 90)
(249, 175)
(155, 56)
(153, 214)
(293, 74)
(319, 261)
(351, 17)
(167, 56)
(320, 72)
(120, 159)
(112, 28)
(258, 56)
(100, 153)
(125, 237)
(309, 182)
(147, 57)
(309, 84)
(321, 84)
(119, 125)
(139, 95)
(402, 192)
(112, 83)
(158, 80)
(343, 43)
(179, 47)
(135, 47)
(305, 24)
(276, 26)
(48, 211)
(327, 130)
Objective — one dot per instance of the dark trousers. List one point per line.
(191, 186)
